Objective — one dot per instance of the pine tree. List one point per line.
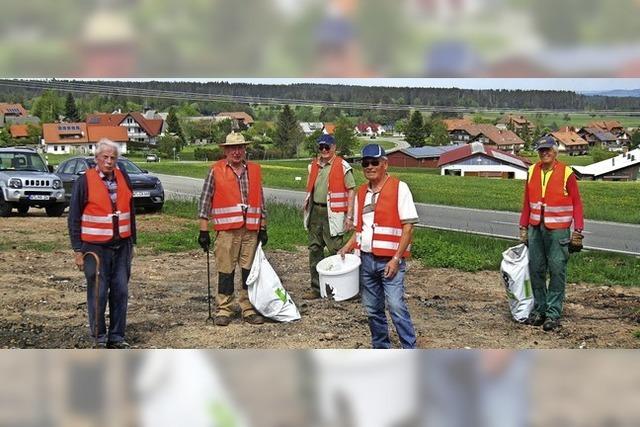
(346, 141)
(173, 126)
(415, 134)
(288, 134)
(70, 109)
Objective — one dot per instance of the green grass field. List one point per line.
(577, 120)
(434, 248)
(605, 201)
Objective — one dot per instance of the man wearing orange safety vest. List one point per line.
(385, 214)
(101, 220)
(232, 199)
(328, 206)
(551, 203)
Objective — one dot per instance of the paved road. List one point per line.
(606, 236)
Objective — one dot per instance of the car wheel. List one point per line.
(23, 209)
(5, 208)
(55, 210)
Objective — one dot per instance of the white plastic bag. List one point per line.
(515, 275)
(266, 292)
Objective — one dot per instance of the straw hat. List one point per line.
(234, 139)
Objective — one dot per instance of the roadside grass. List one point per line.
(604, 201)
(636, 334)
(434, 248)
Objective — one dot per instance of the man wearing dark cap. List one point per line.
(328, 206)
(551, 204)
(385, 214)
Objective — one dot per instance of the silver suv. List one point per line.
(25, 181)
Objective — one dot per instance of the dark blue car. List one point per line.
(147, 189)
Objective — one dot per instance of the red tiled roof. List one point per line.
(105, 119)
(330, 128)
(497, 136)
(605, 124)
(64, 133)
(477, 148)
(151, 126)
(569, 138)
(19, 131)
(237, 115)
(362, 127)
(114, 133)
(458, 124)
(12, 109)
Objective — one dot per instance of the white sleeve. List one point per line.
(355, 209)
(406, 207)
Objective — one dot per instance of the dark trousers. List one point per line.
(115, 270)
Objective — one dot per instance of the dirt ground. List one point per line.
(43, 303)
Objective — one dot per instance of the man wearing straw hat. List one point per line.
(232, 199)
(384, 216)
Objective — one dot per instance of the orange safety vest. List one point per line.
(97, 222)
(551, 198)
(338, 193)
(227, 210)
(387, 228)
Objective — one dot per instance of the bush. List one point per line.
(599, 154)
(208, 154)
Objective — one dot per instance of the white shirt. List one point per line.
(406, 211)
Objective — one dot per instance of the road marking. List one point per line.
(505, 222)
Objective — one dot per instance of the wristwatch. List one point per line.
(396, 258)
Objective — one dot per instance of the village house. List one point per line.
(139, 128)
(329, 128)
(597, 137)
(240, 119)
(418, 157)
(80, 138)
(369, 129)
(19, 131)
(569, 142)
(515, 123)
(310, 127)
(477, 159)
(461, 131)
(624, 167)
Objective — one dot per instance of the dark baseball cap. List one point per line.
(546, 142)
(326, 139)
(373, 151)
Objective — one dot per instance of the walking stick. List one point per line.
(95, 297)
(210, 318)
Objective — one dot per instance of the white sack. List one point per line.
(515, 275)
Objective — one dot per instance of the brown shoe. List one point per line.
(254, 319)
(311, 294)
(222, 320)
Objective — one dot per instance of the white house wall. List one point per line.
(78, 148)
(518, 173)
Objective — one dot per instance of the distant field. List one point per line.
(606, 201)
(577, 120)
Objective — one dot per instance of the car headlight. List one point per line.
(57, 184)
(15, 183)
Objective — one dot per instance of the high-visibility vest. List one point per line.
(338, 195)
(227, 210)
(387, 228)
(99, 217)
(550, 197)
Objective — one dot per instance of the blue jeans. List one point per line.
(115, 270)
(376, 289)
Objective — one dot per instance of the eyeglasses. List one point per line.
(367, 163)
(324, 147)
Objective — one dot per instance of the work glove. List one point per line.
(575, 244)
(204, 240)
(262, 237)
(524, 236)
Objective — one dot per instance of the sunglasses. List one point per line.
(367, 163)
(324, 147)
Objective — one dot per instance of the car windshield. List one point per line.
(125, 164)
(21, 161)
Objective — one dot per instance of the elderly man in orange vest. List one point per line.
(232, 199)
(102, 221)
(328, 206)
(551, 203)
(385, 214)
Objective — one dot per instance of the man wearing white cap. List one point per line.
(232, 199)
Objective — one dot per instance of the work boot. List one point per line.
(222, 320)
(311, 294)
(120, 345)
(535, 319)
(550, 324)
(249, 313)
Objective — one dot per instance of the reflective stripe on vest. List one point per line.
(556, 202)
(227, 210)
(337, 194)
(387, 227)
(97, 221)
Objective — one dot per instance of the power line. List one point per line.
(107, 90)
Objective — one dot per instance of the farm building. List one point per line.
(569, 142)
(477, 159)
(418, 157)
(624, 167)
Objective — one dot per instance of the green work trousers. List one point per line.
(548, 252)
(319, 238)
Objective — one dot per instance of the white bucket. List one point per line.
(341, 277)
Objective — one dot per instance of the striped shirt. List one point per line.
(209, 187)
(111, 183)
